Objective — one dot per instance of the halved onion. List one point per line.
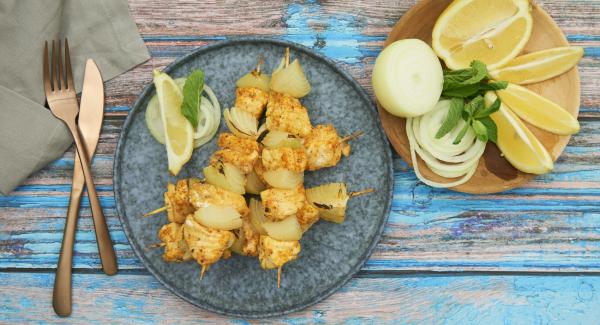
(290, 80)
(254, 80)
(286, 229)
(218, 217)
(226, 176)
(253, 183)
(257, 216)
(241, 122)
(279, 139)
(331, 200)
(283, 178)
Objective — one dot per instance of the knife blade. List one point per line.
(91, 114)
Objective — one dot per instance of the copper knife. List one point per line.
(91, 113)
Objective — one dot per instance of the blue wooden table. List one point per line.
(527, 256)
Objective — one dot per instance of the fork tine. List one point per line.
(53, 69)
(61, 79)
(69, 74)
(47, 86)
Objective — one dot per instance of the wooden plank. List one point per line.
(474, 299)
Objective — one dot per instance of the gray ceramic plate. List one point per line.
(331, 253)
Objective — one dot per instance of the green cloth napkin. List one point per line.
(30, 136)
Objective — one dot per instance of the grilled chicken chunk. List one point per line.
(231, 141)
(251, 238)
(307, 216)
(324, 148)
(237, 151)
(273, 254)
(176, 249)
(177, 201)
(252, 100)
(206, 245)
(280, 203)
(285, 113)
(284, 158)
(204, 194)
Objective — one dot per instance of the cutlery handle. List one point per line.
(61, 296)
(105, 248)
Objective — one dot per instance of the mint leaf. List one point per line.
(492, 129)
(474, 105)
(498, 85)
(460, 90)
(461, 134)
(191, 96)
(485, 112)
(480, 130)
(454, 115)
(479, 72)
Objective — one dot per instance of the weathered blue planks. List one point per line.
(431, 299)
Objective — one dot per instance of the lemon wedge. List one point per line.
(518, 145)
(539, 66)
(493, 32)
(538, 110)
(179, 133)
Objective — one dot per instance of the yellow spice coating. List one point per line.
(285, 113)
(286, 158)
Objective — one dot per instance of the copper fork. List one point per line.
(62, 99)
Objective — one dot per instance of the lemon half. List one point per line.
(493, 32)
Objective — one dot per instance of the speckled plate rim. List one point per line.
(147, 91)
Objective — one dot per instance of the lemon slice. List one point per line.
(538, 110)
(518, 145)
(154, 118)
(178, 130)
(539, 66)
(493, 32)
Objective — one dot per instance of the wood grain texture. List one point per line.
(551, 224)
(475, 299)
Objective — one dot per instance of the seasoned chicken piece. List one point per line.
(206, 245)
(286, 158)
(324, 148)
(243, 161)
(237, 151)
(252, 100)
(251, 238)
(280, 204)
(176, 249)
(285, 113)
(177, 201)
(275, 253)
(307, 216)
(231, 141)
(204, 194)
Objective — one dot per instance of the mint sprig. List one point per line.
(466, 88)
(192, 90)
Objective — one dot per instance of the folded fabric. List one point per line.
(30, 137)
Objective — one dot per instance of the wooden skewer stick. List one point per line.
(261, 61)
(351, 136)
(365, 191)
(287, 57)
(159, 210)
(156, 245)
(279, 277)
(204, 268)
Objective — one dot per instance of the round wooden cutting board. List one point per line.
(494, 173)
